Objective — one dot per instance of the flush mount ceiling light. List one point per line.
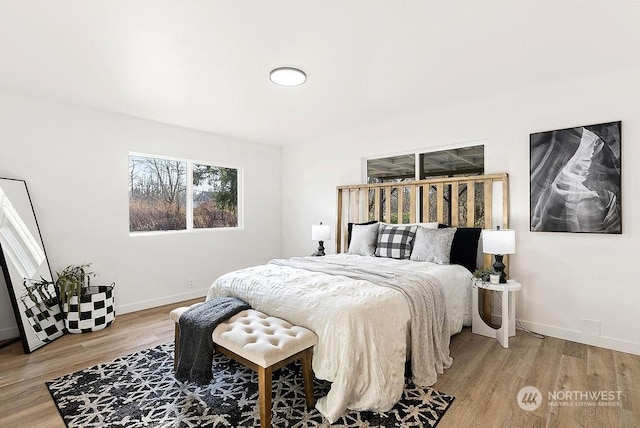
(287, 76)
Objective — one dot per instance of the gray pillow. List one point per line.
(363, 239)
(433, 245)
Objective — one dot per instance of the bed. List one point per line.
(372, 314)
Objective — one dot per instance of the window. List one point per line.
(169, 194)
(457, 162)
(444, 163)
(395, 168)
(215, 197)
(463, 161)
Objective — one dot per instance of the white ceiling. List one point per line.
(205, 64)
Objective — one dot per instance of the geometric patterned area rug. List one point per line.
(140, 390)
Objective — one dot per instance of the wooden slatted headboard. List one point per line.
(481, 201)
(450, 201)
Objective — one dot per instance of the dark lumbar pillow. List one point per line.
(350, 228)
(464, 247)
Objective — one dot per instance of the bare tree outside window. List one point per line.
(157, 194)
(215, 197)
(162, 199)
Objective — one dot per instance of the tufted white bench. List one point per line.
(264, 344)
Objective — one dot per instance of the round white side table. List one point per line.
(508, 327)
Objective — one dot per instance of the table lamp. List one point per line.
(320, 232)
(499, 242)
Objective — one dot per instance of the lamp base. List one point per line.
(320, 250)
(498, 266)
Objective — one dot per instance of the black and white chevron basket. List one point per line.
(96, 312)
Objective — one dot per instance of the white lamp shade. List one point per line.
(502, 241)
(320, 232)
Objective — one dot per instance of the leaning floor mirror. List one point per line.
(26, 268)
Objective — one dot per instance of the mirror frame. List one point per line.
(37, 309)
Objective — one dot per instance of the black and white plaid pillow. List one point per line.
(395, 241)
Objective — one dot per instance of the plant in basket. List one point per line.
(85, 307)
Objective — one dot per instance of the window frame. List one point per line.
(189, 196)
(417, 154)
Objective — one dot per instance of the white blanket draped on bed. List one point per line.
(362, 327)
(427, 308)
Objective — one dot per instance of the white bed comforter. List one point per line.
(362, 328)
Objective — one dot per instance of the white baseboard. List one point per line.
(9, 333)
(572, 335)
(154, 303)
(577, 336)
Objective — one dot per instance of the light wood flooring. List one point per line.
(484, 378)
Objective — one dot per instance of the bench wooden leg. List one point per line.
(176, 347)
(264, 394)
(307, 374)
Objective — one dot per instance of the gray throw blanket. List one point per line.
(196, 344)
(429, 322)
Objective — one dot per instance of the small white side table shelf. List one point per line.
(508, 327)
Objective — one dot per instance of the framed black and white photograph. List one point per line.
(26, 269)
(575, 179)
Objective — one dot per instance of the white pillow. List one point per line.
(364, 238)
(433, 245)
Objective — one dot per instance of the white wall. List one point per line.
(74, 161)
(566, 277)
